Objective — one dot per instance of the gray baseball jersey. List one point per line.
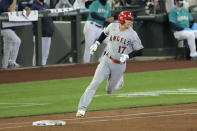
(120, 42)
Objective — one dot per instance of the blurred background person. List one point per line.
(186, 4)
(79, 4)
(63, 4)
(169, 4)
(117, 4)
(47, 31)
(11, 41)
(99, 13)
(183, 26)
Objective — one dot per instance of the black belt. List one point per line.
(99, 26)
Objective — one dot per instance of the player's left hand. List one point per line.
(94, 47)
(123, 58)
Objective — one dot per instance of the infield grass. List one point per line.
(60, 96)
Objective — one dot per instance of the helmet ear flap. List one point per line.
(121, 20)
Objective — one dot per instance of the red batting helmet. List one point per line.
(124, 15)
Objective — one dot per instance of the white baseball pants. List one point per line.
(11, 46)
(106, 68)
(91, 33)
(46, 43)
(190, 36)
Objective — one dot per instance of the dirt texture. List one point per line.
(81, 70)
(158, 118)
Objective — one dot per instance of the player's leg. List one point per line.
(90, 38)
(15, 50)
(195, 33)
(101, 72)
(34, 52)
(46, 43)
(7, 48)
(190, 36)
(120, 83)
(10, 38)
(6, 54)
(115, 81)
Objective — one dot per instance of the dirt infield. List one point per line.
(80, 70)
(161, 118)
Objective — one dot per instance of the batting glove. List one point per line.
(94, 47)
(123, 58)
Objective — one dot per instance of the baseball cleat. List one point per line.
(80, 113)
(13, 65)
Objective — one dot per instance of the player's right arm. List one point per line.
(96, 15)
(94, 47)
(102, 37)
(105, 33)
(7, 5)
(12, 6)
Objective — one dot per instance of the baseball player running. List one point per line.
(123, 43)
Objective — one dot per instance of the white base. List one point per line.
(49, 123)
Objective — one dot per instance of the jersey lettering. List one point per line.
(114, 38)
(125, 41)
(181, 18)
(119, 39)
(100, 10)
